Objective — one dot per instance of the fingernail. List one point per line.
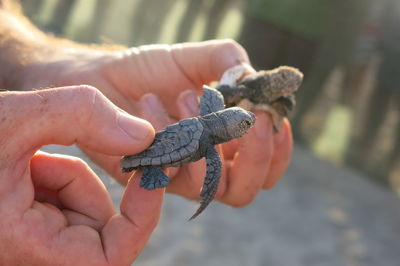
(135, 127)
(191, 102)
(248, 67)
(152, 102)
(263, 126)
(153, 111)
(281, 135)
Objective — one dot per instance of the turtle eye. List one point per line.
(245, 124)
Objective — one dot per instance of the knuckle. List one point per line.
(230, 46)
(151, 225)
(241, 202)
(147, 226)
(8, 110)
(244, 197)
(77, 164)
(221, 191)
(86, 92)
(268, 186)
(85, 99)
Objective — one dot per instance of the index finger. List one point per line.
(125, 234)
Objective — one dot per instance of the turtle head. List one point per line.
(284, 81)
(236, 121)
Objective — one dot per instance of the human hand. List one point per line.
(131, 78)
(54, 210)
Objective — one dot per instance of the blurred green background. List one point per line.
(349, 104)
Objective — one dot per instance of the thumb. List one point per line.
(68, 115)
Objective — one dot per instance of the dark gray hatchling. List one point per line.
(269, 90)
(190, 140)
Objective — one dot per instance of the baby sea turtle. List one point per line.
(190, 140)
(268, 90)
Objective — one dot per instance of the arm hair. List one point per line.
(23, 47)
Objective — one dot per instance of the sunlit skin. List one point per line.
(53, 209)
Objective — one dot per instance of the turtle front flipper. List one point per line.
(232, 75)
(211, 101)
(229, 84)
(153, 177)
(211, 181)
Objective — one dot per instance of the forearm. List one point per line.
(29, 57)
(19, 46)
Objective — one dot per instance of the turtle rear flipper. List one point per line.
(153, 177)
(211, 180)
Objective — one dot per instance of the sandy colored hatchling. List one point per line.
(269, 90)
(189, 140)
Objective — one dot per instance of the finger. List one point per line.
(251, 163)
(76, 115)
(183, 66)
(125, 235)
(230, 148)
(153, 111)
(180, 67)
(79, 191)
(283, 147)
(204, 62)
(111, 164)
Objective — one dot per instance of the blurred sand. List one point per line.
(318, 215)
